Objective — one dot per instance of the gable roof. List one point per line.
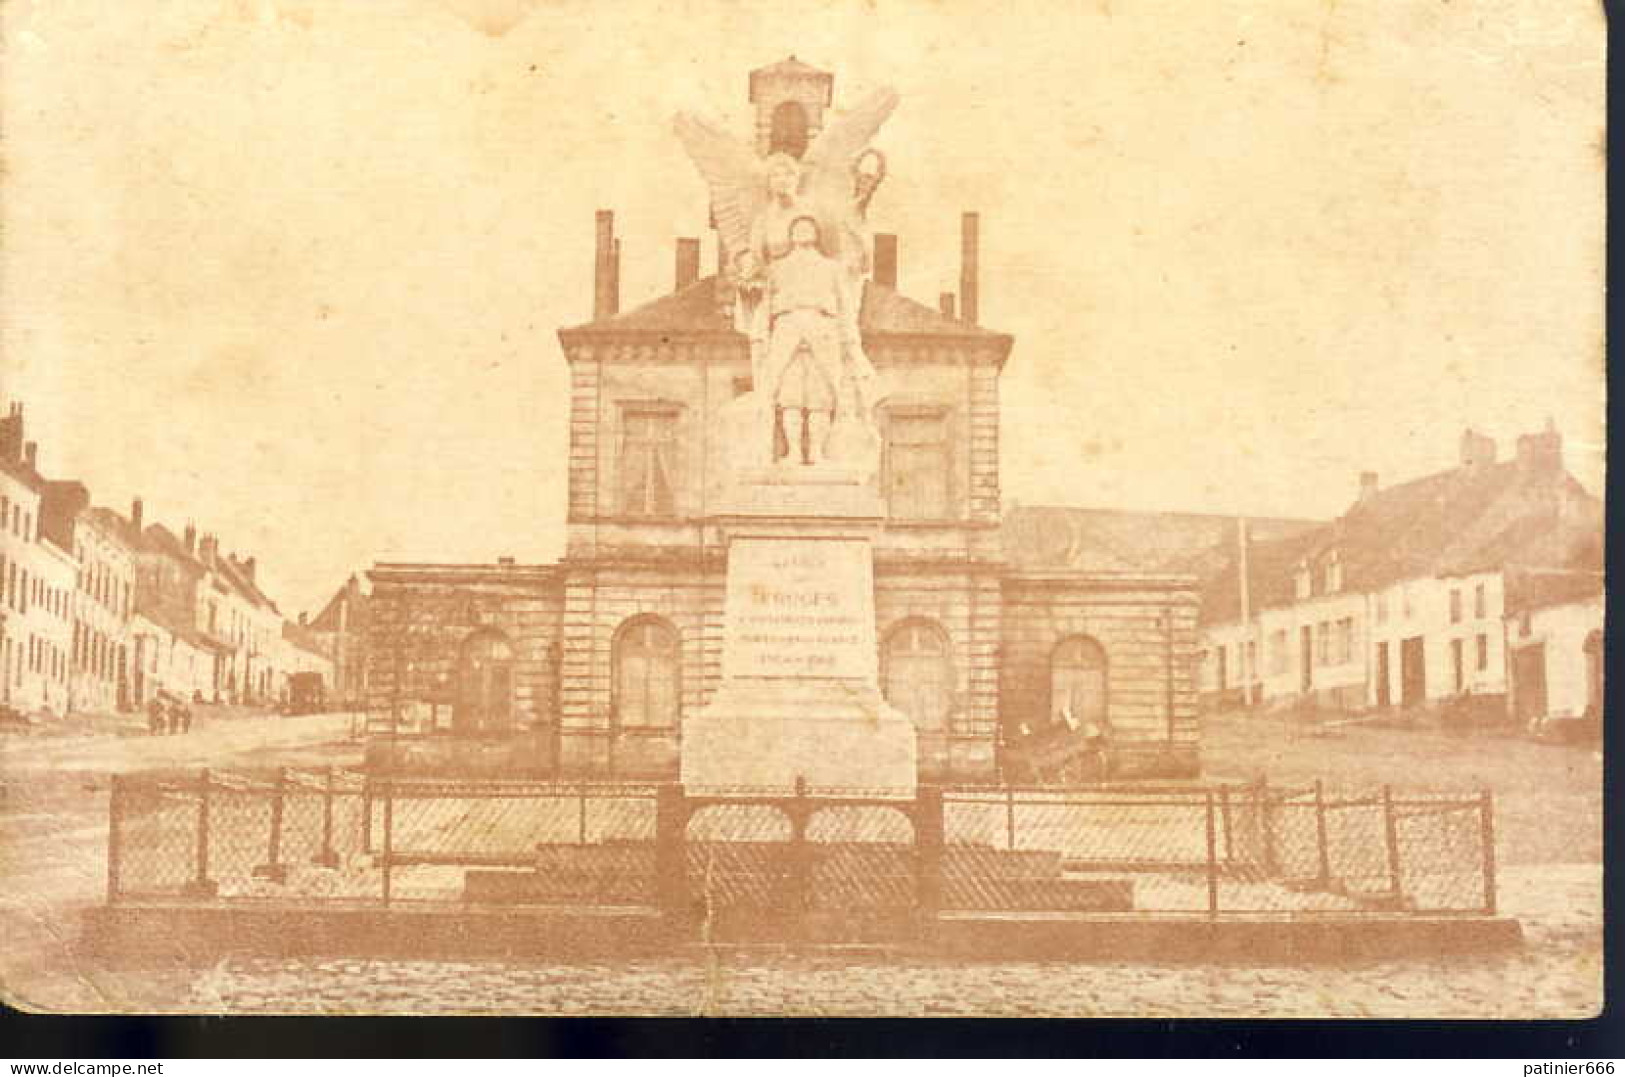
(1467, 519)
(160, 540)
(355, 620)
(1054, 537)
(697, 311)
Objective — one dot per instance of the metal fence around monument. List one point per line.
(1204, 850)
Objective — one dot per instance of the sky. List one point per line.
(292, 270)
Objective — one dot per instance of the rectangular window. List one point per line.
(1345, 640)
(917, 464)
(1478, 602)
(648, 459)
(1483, 652)
(1323, 643)
(1455, 606)
(1457, 665)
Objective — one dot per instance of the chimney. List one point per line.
(135, 515)
(606, 270)
(1477, 450)
(969, 266)
(886, 259)
(688, 261)
(1542, 452)
(190, 540)
(11, 434)
(1368, 485)
(31, 455)
(945, 303)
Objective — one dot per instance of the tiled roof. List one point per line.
(1047, 537)
(177, 627)
(695, 310)
(159, 539)
(1463, 520)
(1539, 589)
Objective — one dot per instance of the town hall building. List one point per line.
(595, 665)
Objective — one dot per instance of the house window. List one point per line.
(648, 459)
(1333, 574)
(917, 464)
(646, 687)
(1078, 683)
(1478, 602)
(918, 674)
(1458, 667)
(1323, 643)
(1483, 652)
(1455, 607)
(1345, 640)
(1300, 581)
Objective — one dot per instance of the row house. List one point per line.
(103, 609)
(37, 572)
(1402, 600)
(340, 630)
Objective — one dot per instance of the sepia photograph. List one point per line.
(866, 508)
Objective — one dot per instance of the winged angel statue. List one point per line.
(798, 254)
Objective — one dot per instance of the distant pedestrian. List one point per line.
(185, 716)
(155, 715)
(172, 708)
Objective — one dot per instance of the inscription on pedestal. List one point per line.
(799, 608)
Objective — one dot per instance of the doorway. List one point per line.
(1529, 682)
(1384, 697)
(1306, 651)
(1413, 672)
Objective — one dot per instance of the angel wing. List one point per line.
(827, 176)
(732, 171)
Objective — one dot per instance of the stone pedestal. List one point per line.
(800, 695)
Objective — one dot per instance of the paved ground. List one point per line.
(1557, 975)
(52, 850)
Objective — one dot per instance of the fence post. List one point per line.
(201, 885)
(1486, 838)
(115, 843)
(929, 839)
(1212, 859)
(1224, 822)
(1390, 826)
(581, 838)
(1010, 816)
(273, 868)
(389, 836)
(1324, 850)
(671, 867)
(326, 857)
(1266, 822)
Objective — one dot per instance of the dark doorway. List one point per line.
(1529, 682)
(1413, 672)
(1384, 698)
(484, 684)
(789, 131)
(1306, 649)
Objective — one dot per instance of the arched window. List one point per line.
(646, 673)
(918, 673)
(789, 131)
(1078, 683)
(484, 701)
